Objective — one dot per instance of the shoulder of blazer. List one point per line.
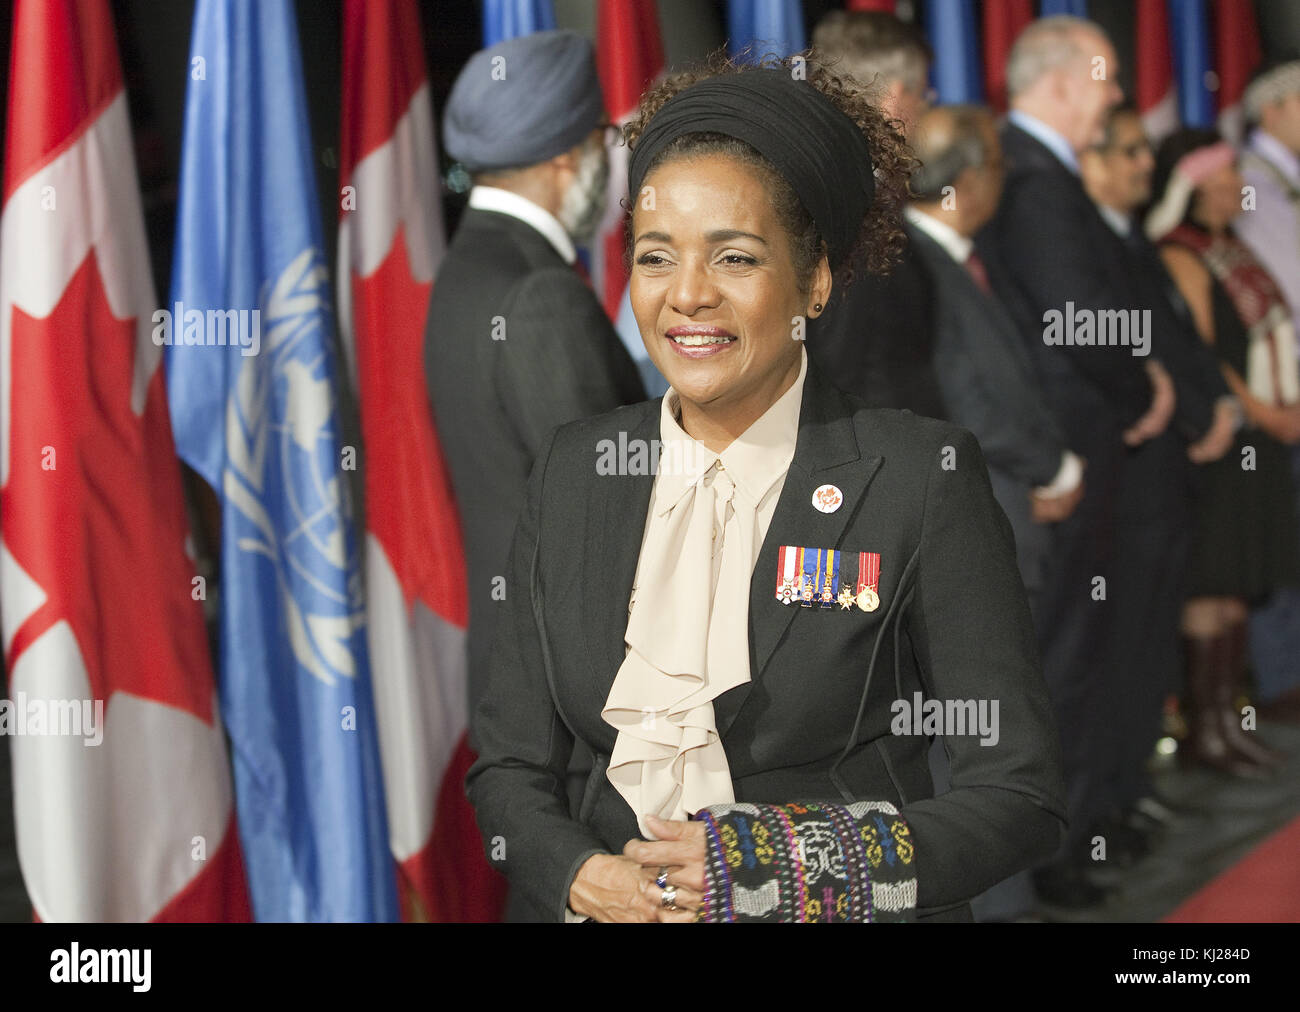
(501, 243)
(827, 416)
(931, 254)
(1029, 158)
(578, 443)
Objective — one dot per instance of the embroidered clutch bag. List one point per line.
(804, 863)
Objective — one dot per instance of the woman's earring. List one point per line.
(817, 307)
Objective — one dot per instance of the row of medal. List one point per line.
(818, 577)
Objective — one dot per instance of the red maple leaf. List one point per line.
(102, 531)
(409, 505)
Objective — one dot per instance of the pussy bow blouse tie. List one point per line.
(687, 643)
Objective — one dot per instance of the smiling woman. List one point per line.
(729, 632)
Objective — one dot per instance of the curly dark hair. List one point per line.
(880, 237)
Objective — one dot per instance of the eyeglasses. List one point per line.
(1129, 151)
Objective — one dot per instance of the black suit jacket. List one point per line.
(516, 344)
(1057, 249)
(876, 339)
(990, 387)
(814, 721)
(1155, 489)
(1190, 362)
(986, 375)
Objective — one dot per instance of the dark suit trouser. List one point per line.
(1275, 631)
(1152, 543)
(1076, 634)
(1014, 896)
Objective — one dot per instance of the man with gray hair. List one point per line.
(879, 52)
(876, 336)
(1061, 81)
(1271, 227)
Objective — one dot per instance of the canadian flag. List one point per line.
(390, 243)
(1157, 98)
(1237, 52)
(1003, 21)
(629, 55)
(103, 630)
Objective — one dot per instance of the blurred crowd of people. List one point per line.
(1149, 476)
(1114, 321)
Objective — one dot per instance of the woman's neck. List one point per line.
(717, 426)
(1215, 229)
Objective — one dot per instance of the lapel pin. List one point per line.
(828, 498)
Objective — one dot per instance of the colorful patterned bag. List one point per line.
(805, 863)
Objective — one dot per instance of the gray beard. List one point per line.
(583, 205)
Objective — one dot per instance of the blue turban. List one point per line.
(523, 101)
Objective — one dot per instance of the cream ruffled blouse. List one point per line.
(688, 625)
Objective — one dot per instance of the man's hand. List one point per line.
(1054, 509)
(1218, 438)
(1157, 417)
(681, 849)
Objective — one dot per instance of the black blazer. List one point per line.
(990, 387)
(1156, 480)
(1190, 361)
(1057, 249)
(814, 721)
(986, 374)
(515, 344)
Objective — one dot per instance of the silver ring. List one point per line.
(669, 898)
(662, 880)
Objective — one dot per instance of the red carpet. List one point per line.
(1264, 886)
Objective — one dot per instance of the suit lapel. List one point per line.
(610, 550)
(957, 281)
(826, 453)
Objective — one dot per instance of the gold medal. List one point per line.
(868, 599)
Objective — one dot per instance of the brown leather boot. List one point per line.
(1233, 675)
(1206, 744)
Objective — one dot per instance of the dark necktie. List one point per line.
(976, 267)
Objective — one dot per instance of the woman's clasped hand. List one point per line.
(622, 887)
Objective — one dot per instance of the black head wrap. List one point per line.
(819, 150)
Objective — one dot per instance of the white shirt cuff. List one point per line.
(571, 918)
(1067, 478)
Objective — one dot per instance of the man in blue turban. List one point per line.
(516, 342)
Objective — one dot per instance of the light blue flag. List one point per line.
(257, 418)
(957, 63)
(508, 19)
(769, 26)
(1189, 25)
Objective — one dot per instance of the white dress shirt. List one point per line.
(491, 198)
